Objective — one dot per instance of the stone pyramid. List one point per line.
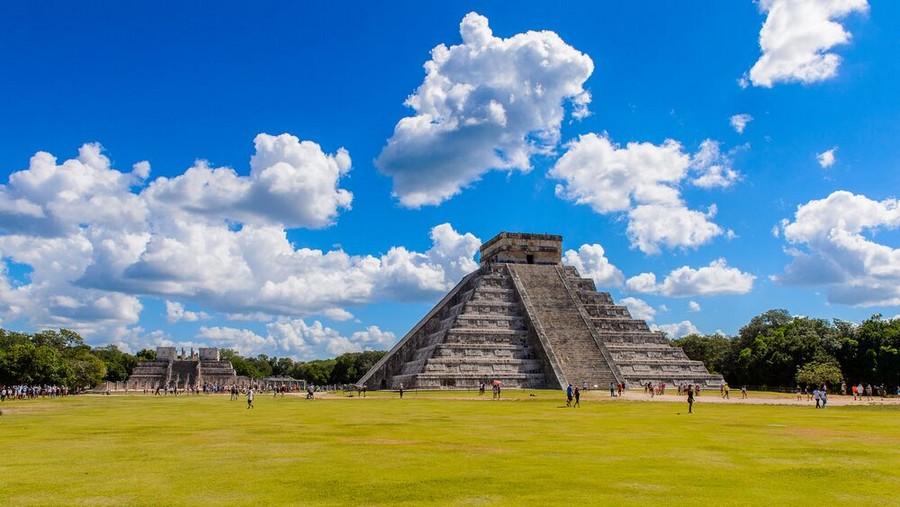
(528, 321)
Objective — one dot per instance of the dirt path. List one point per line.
(756, 398)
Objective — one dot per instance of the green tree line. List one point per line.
(62, 358)
(777, 349)
(774, 349)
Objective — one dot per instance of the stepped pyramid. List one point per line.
(528, 321)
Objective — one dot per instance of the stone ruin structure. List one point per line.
(527, 321)
(182, 371)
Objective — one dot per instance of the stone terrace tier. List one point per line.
(477, 335)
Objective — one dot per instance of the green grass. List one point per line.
(443, 448)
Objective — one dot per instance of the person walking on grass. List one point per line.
(569, 394)
(401, 390)
(577, 397)
(249, 398)
(690, 399)
(743, 392)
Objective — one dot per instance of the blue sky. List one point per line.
(300, 179)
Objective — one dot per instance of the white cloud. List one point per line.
(676, 330)
(693, 306)
(295, 338)
(643, 181)
(591, 262)
(715, 279)
(712, 167)
(175, 312)
(96, 238)
(486, 104)
(826, 158)
(638, 308)
(796, 37)
(739, 122)
(135, 338)
(831, 249)
(291, 182)
(337, 314)
(650, 226)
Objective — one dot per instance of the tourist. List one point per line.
(843, 389)
(612, 389)
(824, 397)
(690, 399)
(817, 395)
(621, 388)
(250, 398)
(743, 392)
(577, 397)
(481, 389)
(569, 394)
(401, 390)
(854, 392)
(869, 392)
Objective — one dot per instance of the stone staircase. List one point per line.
(562, 326)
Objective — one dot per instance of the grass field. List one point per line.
(447, 449)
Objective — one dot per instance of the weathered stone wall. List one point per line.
(209, 354)
(518, 248)
(166, 353)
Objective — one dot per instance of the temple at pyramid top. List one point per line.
(526, 320)
(521, 248)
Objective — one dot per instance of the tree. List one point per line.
(119, 365)
(145, 355)
(712, 350)
(818, 373)
(316, 372)
(87, 370)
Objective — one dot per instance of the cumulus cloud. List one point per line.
(96, 238)
(291, 182)
(591, 262)
(487, 104)
(712, 168)
(295, 338)
(175, 312)
(739, 122)
(676, 330)
(642, 181)
(826, 158)
(638, 308)
(796, 38)
(693, 306)
(715, 279)
(832, 247)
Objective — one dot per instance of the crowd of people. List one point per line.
(28, 392)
